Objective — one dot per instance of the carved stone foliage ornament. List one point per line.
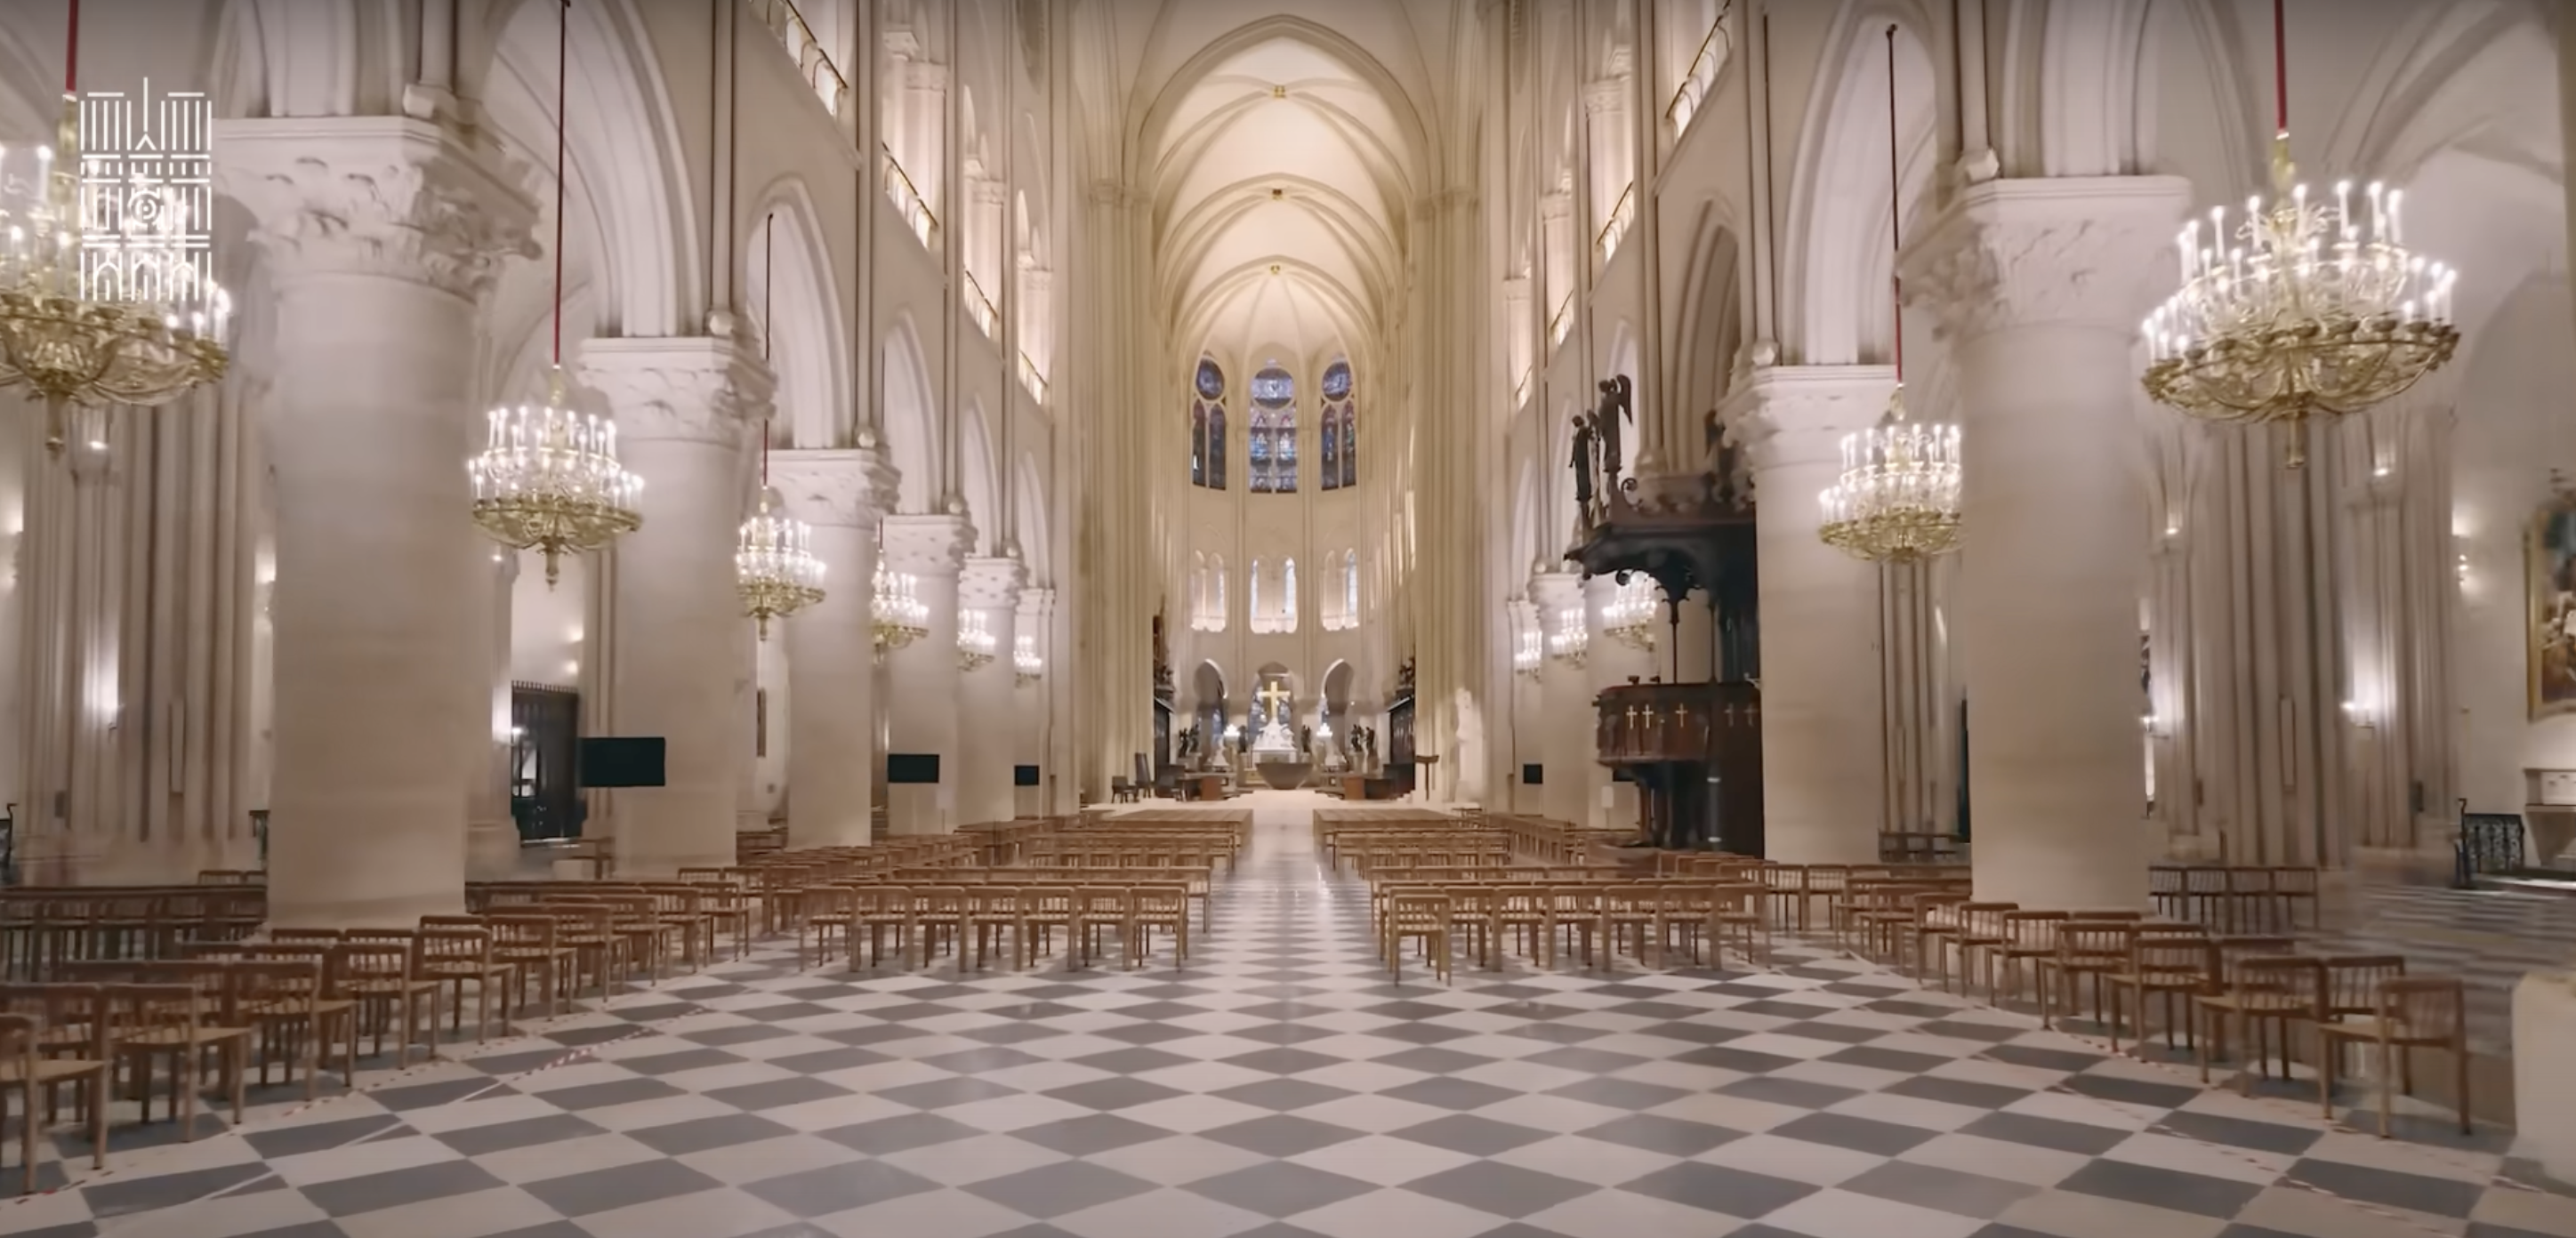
(388, 196)
(836, 488)
(698, 389)
(2065, 251)
(927, 545)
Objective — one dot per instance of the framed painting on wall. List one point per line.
(2551, 656)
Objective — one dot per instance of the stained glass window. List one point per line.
(1198, 442)
(1274, 431)
(1339, 469)
(1207, 427)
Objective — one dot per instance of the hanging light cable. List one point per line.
(773, 560)
(2304, 312)
(105, 297)
(1897, 500)
(548, 478)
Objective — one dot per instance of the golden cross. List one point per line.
(1274, 696)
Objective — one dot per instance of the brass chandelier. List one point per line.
(548, 478)
(774, 564)
(105, 295)
(976, 643)
(1898, 497)
(773, 560)
(1629, 616)
(2306, 310)
(1027, 665)
(897, 615)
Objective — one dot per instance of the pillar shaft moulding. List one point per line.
(684, 409)
(385, 235)
(2039, 286)
(988, 734)
(831, 659)
(1821, 776)
(1567, 718)
(922, 713)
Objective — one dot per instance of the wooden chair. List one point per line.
(2169, 968)
(2084, 948)
(182, 1023)
(455, 955)
(52, 1035)
(2277, 991)
(2427, 1012)
(531, 943)
(380, 976)
(1417, 917)
(1164, 907)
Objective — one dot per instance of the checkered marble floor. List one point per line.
(1280, 1087)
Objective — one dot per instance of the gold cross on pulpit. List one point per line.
(1276, 698)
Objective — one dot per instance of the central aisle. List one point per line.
(1278, 1087)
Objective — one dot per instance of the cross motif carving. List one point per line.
(1275, 697)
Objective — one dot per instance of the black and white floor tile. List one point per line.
(1280, 1087)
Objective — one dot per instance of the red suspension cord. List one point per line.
(768, 294)
(71, 53)
(2280, 66)
(1895, 195)
(563, 169)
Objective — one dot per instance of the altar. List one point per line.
(1275, 755)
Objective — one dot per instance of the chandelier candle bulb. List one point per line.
(774, 565)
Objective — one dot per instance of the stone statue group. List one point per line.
(1596, 453)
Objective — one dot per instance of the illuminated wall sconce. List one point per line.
(2152, 725)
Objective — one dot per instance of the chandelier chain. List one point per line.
(1897, 499)
(548, 478)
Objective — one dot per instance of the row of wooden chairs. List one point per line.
(972, 920)
(2246, 897)
(41, 928)
(1597, 919)
(2207, 984)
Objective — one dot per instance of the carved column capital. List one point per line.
(1556, 593)
(377, 195)
(1037, 604)
(928, 545)
(699, 389)
(2060, 251)
(1790, 416)
(991, 584)
(850, 488)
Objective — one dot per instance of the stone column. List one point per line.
(922, 679)
(1033, 702)
(2039, 286)
(1822, 778)
(685, 408)
(1566, 694)
(831, 659)
(384, 235)
(988, 728)
(491, 833)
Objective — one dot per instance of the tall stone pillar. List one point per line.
(1570, 754)
(1033, 701)
(988, 728)
(685, 411)
(384, 235)
(2039, 286)
(491, 833)
(1823, 783)
(831, 657)
(922, 679)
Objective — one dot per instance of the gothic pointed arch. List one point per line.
(1272, 449)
